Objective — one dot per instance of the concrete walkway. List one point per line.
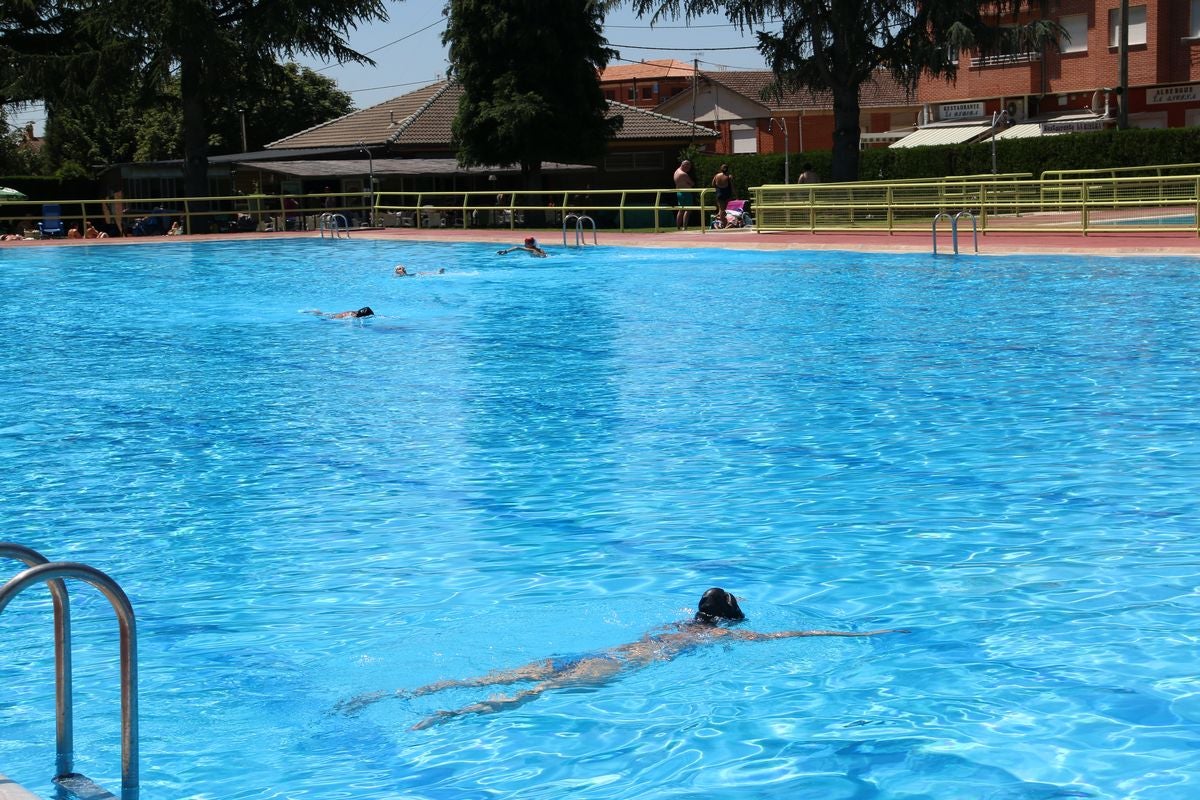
(998, 244)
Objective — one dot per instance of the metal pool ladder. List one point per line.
(42, 570)
(335, 224)
(954, 229)
(580, 237)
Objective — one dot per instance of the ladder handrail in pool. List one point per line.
(954, 228)
(63, 704)
(335, 224)
(53, 572)
(580, 238)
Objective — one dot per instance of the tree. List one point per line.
(530, 73)
(836, 46)
(66, 52)
(138, 125)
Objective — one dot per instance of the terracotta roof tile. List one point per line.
(647, 70)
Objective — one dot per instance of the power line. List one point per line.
(392, 86)
(682, 49)
(684, 27)
(441, 21)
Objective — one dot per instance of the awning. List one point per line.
(884, 136)
(950, 134)
(1053, 125)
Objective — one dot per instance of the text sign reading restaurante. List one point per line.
(960, 110)
(1173, 94)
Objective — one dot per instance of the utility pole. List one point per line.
(1123, 69)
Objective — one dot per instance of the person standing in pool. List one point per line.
(717, 611)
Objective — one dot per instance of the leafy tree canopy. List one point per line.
(838, 45)
(531, 86)
(136, 125)
(67, 52)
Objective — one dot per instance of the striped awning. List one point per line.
(949, 134)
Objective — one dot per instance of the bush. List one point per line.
(1099, 150)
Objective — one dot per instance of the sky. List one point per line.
(409, 54)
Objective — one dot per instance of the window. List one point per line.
(1074, 38)
(745, 138)
(647, 93)
(1137, 26)
(1194, 24)
(632, 95)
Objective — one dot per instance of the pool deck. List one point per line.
(997, 244)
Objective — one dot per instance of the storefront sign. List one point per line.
(960, 110)
(1173, 94)
(1073, 126)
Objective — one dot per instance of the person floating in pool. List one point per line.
(529, 246)
(717, 611)
(402, 271)
(365, 311)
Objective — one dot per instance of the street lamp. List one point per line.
(787, 176)
(998, 118)
(370, 183)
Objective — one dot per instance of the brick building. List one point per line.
(1073, 87)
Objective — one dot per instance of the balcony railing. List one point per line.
(1005, 60)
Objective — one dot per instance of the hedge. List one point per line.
(1099, 150)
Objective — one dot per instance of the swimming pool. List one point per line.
(529, 457)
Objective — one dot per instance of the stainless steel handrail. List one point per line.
(63, 705)
(58, 570)
(580, 238)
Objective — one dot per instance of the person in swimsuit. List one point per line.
(530, 246)
(723, 183)
(685, 180)
(717, 610)
(365, 311)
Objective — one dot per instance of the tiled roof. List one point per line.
(642, 124)
(647, 70)
(373, 126)
(424, 117)
(883, 91)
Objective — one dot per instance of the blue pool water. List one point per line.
(524, 458)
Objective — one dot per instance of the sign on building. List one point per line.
(1173, 94)
(960, 110)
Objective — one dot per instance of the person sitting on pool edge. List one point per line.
(530, 246)
(716, 613)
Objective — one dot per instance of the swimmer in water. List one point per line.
(530, 246)
(365, 311)
(717, 611)
(402, 272)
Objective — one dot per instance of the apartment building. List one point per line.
(1074, 87)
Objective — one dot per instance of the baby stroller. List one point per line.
(737, 215)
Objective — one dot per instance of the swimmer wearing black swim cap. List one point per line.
(596, 667)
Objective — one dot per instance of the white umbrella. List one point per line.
(11, 194)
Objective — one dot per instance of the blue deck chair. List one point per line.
(51, 224)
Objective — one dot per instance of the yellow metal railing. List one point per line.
(1080, 204)
(1083, 205)
(630, 208)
